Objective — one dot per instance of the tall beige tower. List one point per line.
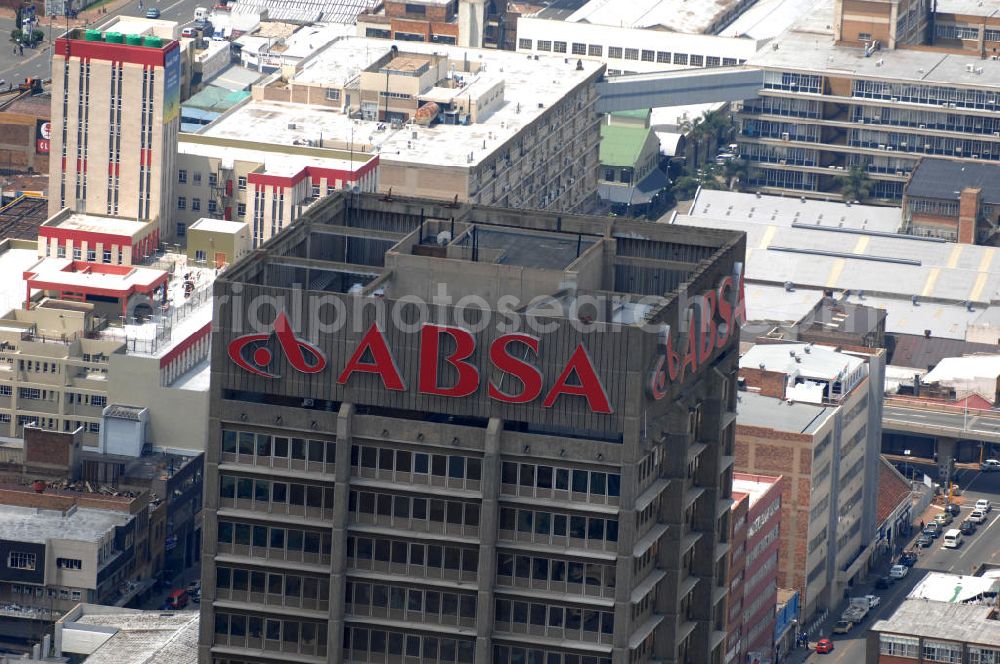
(115, 118)
(471, 22)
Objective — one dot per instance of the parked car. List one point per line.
(985, 505)
(873, 601)
(898, 571)
(943, 519)
(176, 600)
(908, 558)
(824, 646)
(932, 530)
(952, 509)
(990, 466)
(152, 12)
(967, 527)
(924, 541)
(883, 583)
(978, 516)
(842, 627)
(188, 32)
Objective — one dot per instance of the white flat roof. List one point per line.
(965, 368)
(274, 162)
(13, 264)
(815, 361)
(952, 588)
(57, 271)
(217, 225)
(791, 210)
(675, 15)
(767, 19)
(27, 524)
(531, 88)
(753, 485)
(967, 7)
(808, 46)
(92, 223)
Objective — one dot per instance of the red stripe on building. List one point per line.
(183, 346)
(99, 50)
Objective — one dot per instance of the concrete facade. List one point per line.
(393, 524)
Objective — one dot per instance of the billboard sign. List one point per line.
(43, 136)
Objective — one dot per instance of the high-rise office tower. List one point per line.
(538, 471)
(115, 117)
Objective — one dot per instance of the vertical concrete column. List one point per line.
(488, 517)
(209, 539)
(338, 546)
(624, 581)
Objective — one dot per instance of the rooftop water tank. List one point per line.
(133, 40)
(92, 35)
(113, 37)
(152, 41)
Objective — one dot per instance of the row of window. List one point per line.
(292, 587)
(559, 525)
(624, 53)
(247, 443)
(519, 655)
(288, 539)
(561, 479)
(402, 461)
(434, 556)
(362, 597)
(372, 645)
(417, 509)
(213, 179)
(515, 570)
(298, 636)
(541, 615)
(182, 203)
(268, 492)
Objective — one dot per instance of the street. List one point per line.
(35, 62)
(917, 420)
(983, 546)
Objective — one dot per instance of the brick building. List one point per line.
(753, 567)
(814, 415)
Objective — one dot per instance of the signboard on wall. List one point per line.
(171, 85)
(43, 136)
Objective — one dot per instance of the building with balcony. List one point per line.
(571, 505)
(874, 86)
(814, 415)
(753, 567)
(431, 120)
(77, 336)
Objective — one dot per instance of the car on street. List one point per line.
(943, 519)
(843, 627)
(984, 505)
(953, 509)
(898, 571)
(990, 466)
(152, 12)
(978, 516)
(932, 530)
(967, 527)
(924, 541)
(883, 583)
(188, 32)
(824, 646)
(873, 601)
(908, 558)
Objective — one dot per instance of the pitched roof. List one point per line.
(621, 146)
(893, 489)
(944, 178)
(920, 352)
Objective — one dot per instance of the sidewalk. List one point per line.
(83, 19)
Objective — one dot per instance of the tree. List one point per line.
(855, 185)
(735, 170)
(684, 187)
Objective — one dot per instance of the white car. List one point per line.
(984, 505)
(977, 516)
(990, 466)
(898, 571)
(874, 600)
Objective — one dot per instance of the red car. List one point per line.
(824, 646)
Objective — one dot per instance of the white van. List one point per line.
(953, 539)
(200, 13)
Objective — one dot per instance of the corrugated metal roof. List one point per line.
(920, 352)
(944, 178)
(621, 146)
(307, 11)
